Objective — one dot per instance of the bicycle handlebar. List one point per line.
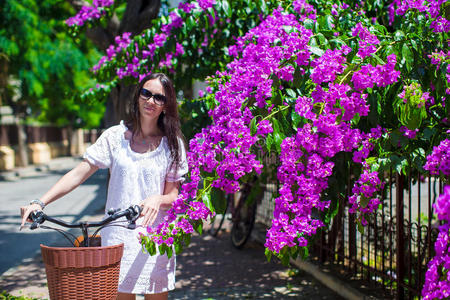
(131, 213)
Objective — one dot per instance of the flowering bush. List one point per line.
(329, 89)
(437, 278)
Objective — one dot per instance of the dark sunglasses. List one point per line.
(157, 98)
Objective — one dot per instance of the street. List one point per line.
(209, 268)
(15, 245)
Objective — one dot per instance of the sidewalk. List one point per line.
(56, 164)
(211, 268)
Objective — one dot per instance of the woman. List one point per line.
(147, 161)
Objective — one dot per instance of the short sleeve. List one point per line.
(99, 153)
(177, 174)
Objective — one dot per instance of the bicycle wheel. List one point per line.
(243, 223)
(217, 223)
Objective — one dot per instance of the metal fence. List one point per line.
(392, 252)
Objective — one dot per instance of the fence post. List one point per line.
(399, 201)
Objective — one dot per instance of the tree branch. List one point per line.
(138, 15)
(77, 4)
(100, 37)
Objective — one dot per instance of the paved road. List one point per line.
(210, 268)
(15, 245)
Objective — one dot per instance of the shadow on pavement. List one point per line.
(30, 241)
(213, 268)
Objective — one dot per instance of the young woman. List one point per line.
(147, 161)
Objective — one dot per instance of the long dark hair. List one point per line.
(168, 121)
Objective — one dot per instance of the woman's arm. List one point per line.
(154, 203)
(67, 183)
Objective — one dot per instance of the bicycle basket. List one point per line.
(82, 272)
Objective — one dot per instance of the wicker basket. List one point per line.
(82, 273)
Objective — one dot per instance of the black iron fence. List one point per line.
(393, 250)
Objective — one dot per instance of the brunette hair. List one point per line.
(168, 121)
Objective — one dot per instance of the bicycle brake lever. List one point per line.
(136, 211)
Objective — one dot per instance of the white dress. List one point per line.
(134, 177)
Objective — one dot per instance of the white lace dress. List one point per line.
(134, 177)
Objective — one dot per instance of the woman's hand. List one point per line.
(150, 209)
(25, 211)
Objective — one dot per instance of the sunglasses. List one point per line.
(157, 98)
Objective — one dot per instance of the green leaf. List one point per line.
(378, 59)
(296, 119)
(162, 249)
(253, 126)
(268, 254)
(178, 248)
(399, 35)
(269, 142)
(337, 42)
(277, 134)
(360, 227)
(206, 198)
(291, 93)
(169, 251)
(407, 57)
(363, 201)
(198, 226)
(263, 6)
(187, 239)
(316, 50)
(218, 200)
(309, 24)
(304, 252)
(226, 8)
(428, 133)
(285, 259)
(294, 252)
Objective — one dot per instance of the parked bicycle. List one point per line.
(241, 210)
(85, 270)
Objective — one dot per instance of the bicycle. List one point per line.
(85, 270)
(242, 207)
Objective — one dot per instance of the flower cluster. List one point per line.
(136, 57)
(430, 7)
(365, 194)
(437, 277)
(121, 42)
(305, 158)
(410, 134)
(440, 58)
(381, 75)
(438, 162)
(87, 13)
(367, 41)
(205, 4)
(329, 65)
(414, 96)
(442, 205)
(305, 10)
(225, 146)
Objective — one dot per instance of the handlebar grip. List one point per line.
(37, 217)
(134, 213)
(137, 209)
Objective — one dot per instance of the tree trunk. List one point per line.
(117, 107)
(69, 140)
(22, 143)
